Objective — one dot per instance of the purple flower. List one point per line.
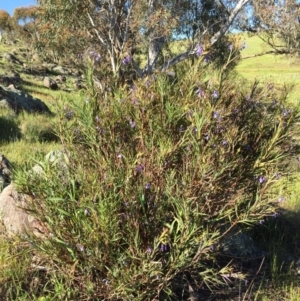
(181, 129)
(105, 281)
(80, 248)
(224, 142)
(286, 112)
(147, 186)
(216, 115)
(95, 56)
(164, 248)
(98, 57)
(280, 199)
(126, 60)
(262, 179)
(132, 124)
(120, 156)
(69, 114)
(207, 58)
(139, 168)
(199, 50)
(200, 92)
(215, 94)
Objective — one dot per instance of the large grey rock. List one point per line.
(4, 172)
(10, 80)
(13, 216)
(18, 101)
(237, 244)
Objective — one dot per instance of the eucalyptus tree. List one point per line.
(116, 29)
(25, 20)
(5, 23)
(277, 22)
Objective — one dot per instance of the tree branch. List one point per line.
(179, 58)
(213, 40)
(229, 21)
(284, 51)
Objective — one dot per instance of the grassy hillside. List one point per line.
(269, 68)
(20, 147)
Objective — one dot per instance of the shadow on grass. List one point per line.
(273, 276)
(9, 130)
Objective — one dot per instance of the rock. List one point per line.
(14, 217)
(78, 85)
(18, 101)
(35, 69)
(38, 170)
(60, 79)
(15, 75)
(50, 83)
(14, 79)
(35, 57)
(5, 172)
(237, 244)
(60, 70)
(49, 66)
(9, 57)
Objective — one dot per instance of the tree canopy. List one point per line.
(5, 21)
(118, 28)
(121, 31)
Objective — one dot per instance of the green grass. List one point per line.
(269, 68)
(278, 70)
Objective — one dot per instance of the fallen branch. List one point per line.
(267, 52)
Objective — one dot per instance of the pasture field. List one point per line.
(278, 69)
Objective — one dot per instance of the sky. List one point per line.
(10, 5)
